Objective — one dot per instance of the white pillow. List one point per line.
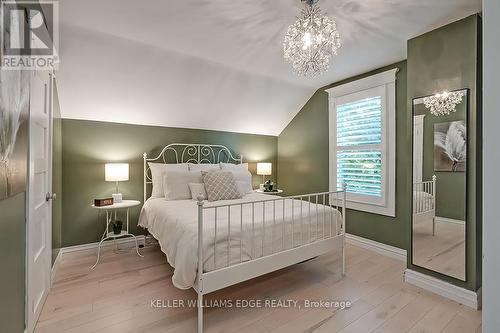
(244, 187)
(232, 166)
(243, 179)
(175, 184)
(157, 172)
(203, 167)
(196, 189)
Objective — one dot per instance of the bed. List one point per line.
(213, 245)
(424, 202)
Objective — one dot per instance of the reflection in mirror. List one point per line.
(439, 182)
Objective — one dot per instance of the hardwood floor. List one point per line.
(443, 252)
(117, 295)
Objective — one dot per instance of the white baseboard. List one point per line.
(448, 220)
(127, 242)
(386, 250)
(466, 297)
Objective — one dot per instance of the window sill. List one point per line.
(373, 209)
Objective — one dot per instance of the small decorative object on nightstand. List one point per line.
(268, 186)
(103, 202)
(116, 230)
(116, 172)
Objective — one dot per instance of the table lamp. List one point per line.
(116, 172)
(264, 169)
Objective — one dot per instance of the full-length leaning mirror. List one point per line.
(439, 182)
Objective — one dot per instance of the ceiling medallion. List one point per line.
(311, 41)
(445, 103)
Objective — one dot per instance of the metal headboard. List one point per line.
(188, 153)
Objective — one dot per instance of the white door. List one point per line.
(39, 230)
(418, 148)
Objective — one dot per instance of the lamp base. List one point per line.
(117, 197)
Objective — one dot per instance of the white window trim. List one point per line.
(387, 80)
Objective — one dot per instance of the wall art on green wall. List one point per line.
(450, 146)
(14, 108)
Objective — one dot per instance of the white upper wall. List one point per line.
(118, 80)
(217, 64)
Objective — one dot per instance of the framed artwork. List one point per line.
(14, 113)
(450, 146)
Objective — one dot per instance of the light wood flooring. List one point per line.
(116, 297)
(444, 252)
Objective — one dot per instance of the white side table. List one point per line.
(278, 191)
(110, 213)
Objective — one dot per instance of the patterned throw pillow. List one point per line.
(220, 185)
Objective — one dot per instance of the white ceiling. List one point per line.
(217, 64)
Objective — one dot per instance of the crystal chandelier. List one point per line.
(445, 103)
(311, 41)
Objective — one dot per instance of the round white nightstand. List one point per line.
(270, 192)
(110, 213)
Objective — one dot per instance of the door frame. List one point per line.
(30, 320)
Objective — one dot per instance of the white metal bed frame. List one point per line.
(422, 209)
(219, 278)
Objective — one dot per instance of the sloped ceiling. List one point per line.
(217, 64)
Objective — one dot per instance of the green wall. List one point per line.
(12, 257)
(449, 58)
(13, 203)
(303, 162)
(450, 186)
(56, 177)
(444, 59)
(13, 216)
(87, 145)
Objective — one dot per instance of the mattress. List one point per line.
(285, 224)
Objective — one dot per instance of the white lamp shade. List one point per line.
(264, 169)
(116, 172)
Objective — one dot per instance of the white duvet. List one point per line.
(175, 225)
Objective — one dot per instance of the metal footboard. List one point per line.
(424, 196)
(240, 241)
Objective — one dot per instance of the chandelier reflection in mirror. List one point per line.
(445, 103)
(311, 41)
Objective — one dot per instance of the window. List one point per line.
(362, 142)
